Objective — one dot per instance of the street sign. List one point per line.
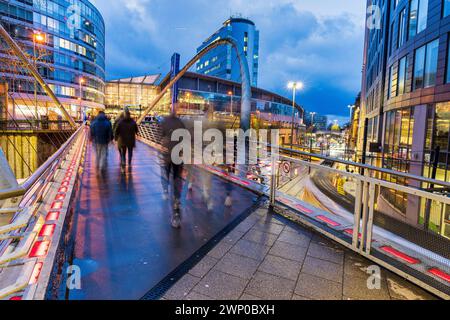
(286, 167)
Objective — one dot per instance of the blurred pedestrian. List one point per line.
(125, 135)
(101, 135)
(169, 169)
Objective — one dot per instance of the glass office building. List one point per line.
(65, 39)
(222, 62)
(136, 93)
(198, 94)
(406, 100)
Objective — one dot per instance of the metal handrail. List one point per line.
(366, 166)
(355, 164)
(29, 183)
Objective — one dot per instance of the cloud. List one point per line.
(319, 42)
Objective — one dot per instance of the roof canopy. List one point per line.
(148, 79)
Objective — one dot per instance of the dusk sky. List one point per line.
(319, 42)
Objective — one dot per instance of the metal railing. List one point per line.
(35, 125)
(350, 208)
(42, 173)
(361, 218)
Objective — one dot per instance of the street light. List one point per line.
(230, 93)
(37, 38)
(294, 85)
(312, 114)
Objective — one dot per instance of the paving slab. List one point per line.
(317, 288)
(270, 287)
(326, 253)
(237, 265)
(260, 237)
(250, 249)
(221, 286)
(323, 269)
(203, 267)
(288, 251)
(280, 267)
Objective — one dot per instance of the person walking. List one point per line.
(169, 168)
(101, 135)
(125, 135)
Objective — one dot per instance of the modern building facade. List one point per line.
(199, 94)
(405, 101)
(66, 41)
(135, 93)
(223, 62)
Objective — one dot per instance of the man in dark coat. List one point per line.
(125, 135)
(101, 135)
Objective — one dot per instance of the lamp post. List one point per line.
(81, 81)
(294, 86)
(37, 38)
(312, 114)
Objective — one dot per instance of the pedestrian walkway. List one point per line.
(268, 257)
(124, 242)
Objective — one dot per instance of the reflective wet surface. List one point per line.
(124, 243)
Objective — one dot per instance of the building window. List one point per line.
(391, 73)
(425, 65)
(447, 80)
(446, 10)
(418, 15)
(431, 63)
(391, 46)
(402, 68)
(401, 28)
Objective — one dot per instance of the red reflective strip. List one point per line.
(16, 298)
(350, 232)
(65, 183)
(63, 190)
(440, 274)
(400, 255)
(328, 221)
(57, 205)
(47, 230)
(240, 180)
(60, 197)
(52, 216)
(36, 273)
(303, 209)
(39, 249)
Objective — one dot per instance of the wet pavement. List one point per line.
(124, 243)
(267, 257)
